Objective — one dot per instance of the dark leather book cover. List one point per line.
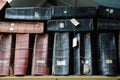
(107, 54)
(3, 5)
(68, 12)
(87, 65)
(39, 65)
(60, 64)
(22, 27)
(107, 24)
(70, 25)
(28, 13)
(5, 53)
(77, 55)
(21, 54)
(108, 12)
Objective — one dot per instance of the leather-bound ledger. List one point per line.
(87, 67)
(77, 54)
(107, 54)
(60, 64)
(39, 66)
(21, 27)
(5, 53)
(21, 54)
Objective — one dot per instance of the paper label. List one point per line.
(36, 14)
(65, 12)
(62, 25)
(40, 61)
(108, 61)
(75, 22)
(12, 24)
(11, 28)
(85, 69)
(74, 42)
(20, 61)
(111, 11)
(3, 61)
(61, 63)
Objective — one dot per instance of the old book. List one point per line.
(28, 13)
(108, 24)
(60, 64)
(107, 54)
(3, 5)
(21, 54)
(39, 65)
(108, 12)
(22, 27)
(69, 12)
(70, 25)
(5, 53)
(77, 54)
(87, 67)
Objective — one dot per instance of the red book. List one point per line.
(5, 53)
(21, 27)
(39, 66)
(21, 54)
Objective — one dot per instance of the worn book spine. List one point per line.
(21, 54)
(21, 27)
(60, 65)
(87, 67)
(5, 53)
(107, 54)
(77, 54)
(39, 65)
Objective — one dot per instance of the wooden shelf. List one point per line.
(60, 78)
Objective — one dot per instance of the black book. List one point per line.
(107, 54)
(60, 65)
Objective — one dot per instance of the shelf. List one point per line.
(60, 78)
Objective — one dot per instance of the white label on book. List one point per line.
(74, 42)
(62, 25)
(75, 22)
(61, 63)
(85, 69)
(108, 61)
(87, 62)
(111, 11)
(12, 24)
(40, 61)
(65, 12)
(11, 28)
(36, 14)
(20, 61)
(3, 61)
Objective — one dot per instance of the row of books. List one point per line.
(62, 55)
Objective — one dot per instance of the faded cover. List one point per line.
(87, 55)
(107, 54)
(67, 25)
(22, 27)
(21, 54)
(77, 56)
(68, 12)
(39, 66)
(108, 12)
(107, 24)
(3, 5)
(5, 53)
(60, 64)
(28, 13)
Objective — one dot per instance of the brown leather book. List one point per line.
(39, 66)
(5, 53)
(21, 54)
(22, 27)
(3, 5)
